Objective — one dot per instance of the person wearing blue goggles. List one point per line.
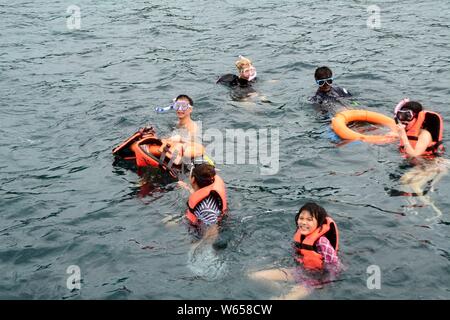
(322, 82)
(183, 106)
(327, 92)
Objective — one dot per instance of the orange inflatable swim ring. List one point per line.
(341, 120)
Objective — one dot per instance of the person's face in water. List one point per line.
(306, 223)
(325, 82)
(184, 111)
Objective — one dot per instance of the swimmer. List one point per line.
(185, 139)
(316, 242)
(246, 77)
(207, 203)
(206, 207)
(327, 92)
(183, 105)
(420, 131)
(242, 84)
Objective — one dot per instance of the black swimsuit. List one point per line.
(242, 88)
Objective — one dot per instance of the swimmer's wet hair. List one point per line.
(204, 174)
(319, 213)
(323, 73)
(242, 61)
(183, 96)
(414, 106)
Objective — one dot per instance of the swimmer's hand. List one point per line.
(402, 132)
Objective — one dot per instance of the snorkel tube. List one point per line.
(161, 110)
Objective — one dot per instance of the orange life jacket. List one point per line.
(435, 127)
(217, 188)
(308, 255)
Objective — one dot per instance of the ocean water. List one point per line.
(69, 96)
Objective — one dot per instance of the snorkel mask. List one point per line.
(321, 82)
(176, 105)
(246, 68)
(400, 105)
(249, 72)
(404, 116)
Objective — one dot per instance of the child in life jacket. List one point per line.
(207, 204)
(316, 243)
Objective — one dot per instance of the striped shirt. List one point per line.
(208, 210)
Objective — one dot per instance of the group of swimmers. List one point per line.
(316, 240)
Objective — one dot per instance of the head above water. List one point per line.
(246, 69)
(414, 106)
(326, 75)
(184, 97)
(203, 175)
(311, 216)
(183, 106)
(408, 113)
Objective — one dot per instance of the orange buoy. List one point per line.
(340, 122)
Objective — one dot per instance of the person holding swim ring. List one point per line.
(420, 131)
(316, 243)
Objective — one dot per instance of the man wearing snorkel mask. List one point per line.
(183, 106)
(186, 127)
(326, 91)
(420, 131)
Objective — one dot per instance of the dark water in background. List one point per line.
(67, 97)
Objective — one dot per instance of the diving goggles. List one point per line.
(321, 82)
(404, 115)
(177, 106)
